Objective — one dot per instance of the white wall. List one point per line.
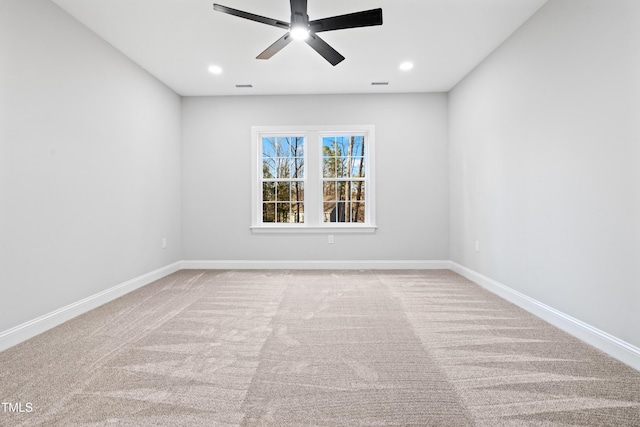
(89, 164)
(545, 163)
(411, 180)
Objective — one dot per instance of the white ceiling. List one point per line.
(177, 40)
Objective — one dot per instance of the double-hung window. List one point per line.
(343, 179)
(282, 179)
(313, 179)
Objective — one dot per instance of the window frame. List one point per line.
(278, 179)
(313, 179)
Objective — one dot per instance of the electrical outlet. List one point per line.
(330, 239)
(164, 243)
(477, 245)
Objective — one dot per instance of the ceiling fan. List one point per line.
(301, 28)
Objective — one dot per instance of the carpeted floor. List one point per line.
(313, 348)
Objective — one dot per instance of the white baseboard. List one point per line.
(615, 347)
(30, 329)
(316, 265)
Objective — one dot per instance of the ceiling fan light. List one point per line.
(299, 32)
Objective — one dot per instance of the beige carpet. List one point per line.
(313, 348)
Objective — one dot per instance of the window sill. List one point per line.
(304, 229)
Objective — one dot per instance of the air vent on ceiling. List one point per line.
(379, 83)
(244, 86)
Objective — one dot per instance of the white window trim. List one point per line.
(313, 180)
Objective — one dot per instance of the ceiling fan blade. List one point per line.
(275, 47)
(251, 16)
(327, 52)
(366, 18)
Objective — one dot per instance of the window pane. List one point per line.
(357, 190)
(283, 169)
(328, 146)
(283, 211)
(357, 167)
(339, 212)
(268, 168)
(329, 167)
(329, 211)
(336, 211)
(283, 147)
(328, 191)
(268, 212)
(296, 145)
(341, 167)
(347, 211)
(268, 191)
(342, 190)
(358, 146)
(358, 212)
(341, 146)
(297, 191)
(297, 212)
(284, 191)
(298, 168)
(269, 147)
(289, 167)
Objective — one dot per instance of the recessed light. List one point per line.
(214, 69)
(406, 66)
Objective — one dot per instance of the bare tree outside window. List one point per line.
(343, 176)
(283, 179)
(313, 179)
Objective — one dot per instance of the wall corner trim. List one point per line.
(36, 326)
(613, 346)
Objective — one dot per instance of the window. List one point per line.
(313, 179)
(282, 179)
(343, 178)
